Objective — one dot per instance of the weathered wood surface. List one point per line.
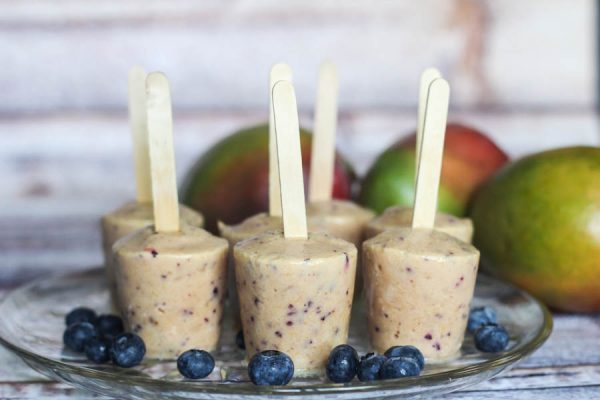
(501, 53)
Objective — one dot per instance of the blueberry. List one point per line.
(195, 364)
(98, 350)
(109, 326)
(491, 338)
(342, 364)
(399, 367)
(369, 366)
(481, 316)
(407, 351)
(271, 367)
(239, 340)
(80, 314)
(78, 334)
(127, 350)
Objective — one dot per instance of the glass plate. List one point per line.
(32, 324)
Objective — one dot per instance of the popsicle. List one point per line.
(262, 222)
(401, 216)
(136, 214)
(419, 282)
(295, 288)
(170, 277)
(343, 219)
(339, 218)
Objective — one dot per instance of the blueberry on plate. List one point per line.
(109, 326)
(239, 340)
(127, 350)
(195, 364)
(369, 366)
(342, 364)
(78, 334)
(80, 314)
(98, 350)
(491, 338)
(407, 351)
(481, 316)
(271, 367)
(399, 367)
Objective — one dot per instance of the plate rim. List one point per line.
(508, 358)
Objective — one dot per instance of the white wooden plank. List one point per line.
(487, 50)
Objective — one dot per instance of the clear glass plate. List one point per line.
(32, 324)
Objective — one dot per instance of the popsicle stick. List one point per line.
(427, 77)
(432, 149)
(279, 72)
(139, 132)
(291, 180)
(323, 142)
(162, 157)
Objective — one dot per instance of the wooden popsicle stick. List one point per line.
(432, 149)
(162, 156)
(291, 179)
(139, 132)
(323, 141)
(427, 77)
(279, 72)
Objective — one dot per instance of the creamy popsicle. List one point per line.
(129, 218)
(136, 214)
(262, 222)
(170, 277)
(401, 217)
(418, 287)
(295, 294)
(342, 219)
(419, 281)
(295, 288)
(338, 218)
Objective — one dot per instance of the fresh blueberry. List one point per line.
(407, 351)
(98, 350)
(342, 364)
(481, 316)
(127, 350)
(491, 338)
(239, 340)
(80, 314)
(109, 326)
(369, 366)
(271, 367)
(195, 364)
(399, 367)
(78, 334)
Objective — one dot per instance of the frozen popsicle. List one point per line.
(400, 216)
(262, 222)
(419, 281)
(170, 277)
(136, 214)
(342, 219)
(295, 288)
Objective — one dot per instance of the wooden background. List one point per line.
(522, 71)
